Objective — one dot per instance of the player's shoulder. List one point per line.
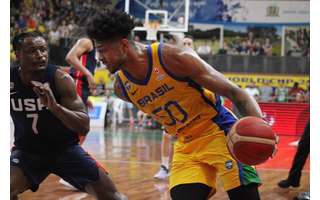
(62, 75)
(64, 83)
(178, 61)
(84, 39)
(85, 43)
(176, 52)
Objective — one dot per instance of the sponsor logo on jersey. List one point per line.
(15, 160)
(229, 164)
(156, 70)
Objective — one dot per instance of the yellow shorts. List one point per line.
(204, 158)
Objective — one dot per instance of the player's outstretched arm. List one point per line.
(82, 46)
(71, 110)
(186, 64)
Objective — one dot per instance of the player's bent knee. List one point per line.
(248, 192)
(190, 191)
(18, 182)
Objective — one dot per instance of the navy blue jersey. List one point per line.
(36, 128)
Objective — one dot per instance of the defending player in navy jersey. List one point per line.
(48, 115)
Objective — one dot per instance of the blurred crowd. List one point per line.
(249, 46)
(58, 19)
(281, 93)
(62, 20)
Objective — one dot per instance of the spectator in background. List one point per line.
(257, 49)
(266, 92)
(249, 46)
(22, 22)
(64, 33)
(41, 28)
(267, 47)
(296, 93)
(281, 93)
(188, 42)
(204, 49)
(251, 37)
(243, 49)
(136, 38)
(225, 49)
(54, 36)
(50, 23)
(253, 91)
(141, 117)
(31, 23)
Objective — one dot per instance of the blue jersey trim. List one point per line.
(147, 78)
(165, 68)
(123, 89)
(241, 172)
(224, 119)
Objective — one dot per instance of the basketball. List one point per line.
(251, 141)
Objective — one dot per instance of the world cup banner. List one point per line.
(240, 11)
(243, 79)
(274, 12)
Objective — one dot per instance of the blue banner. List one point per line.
(230, 11)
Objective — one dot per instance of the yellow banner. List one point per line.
(259, 79)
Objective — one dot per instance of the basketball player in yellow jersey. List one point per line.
(181, 91)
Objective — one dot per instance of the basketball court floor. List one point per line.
(132, 156)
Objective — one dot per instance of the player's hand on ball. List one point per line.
(45, 94)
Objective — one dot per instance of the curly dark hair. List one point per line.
(110, 24)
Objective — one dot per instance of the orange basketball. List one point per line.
(251, 141)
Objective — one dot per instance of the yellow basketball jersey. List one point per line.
(183, 107)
